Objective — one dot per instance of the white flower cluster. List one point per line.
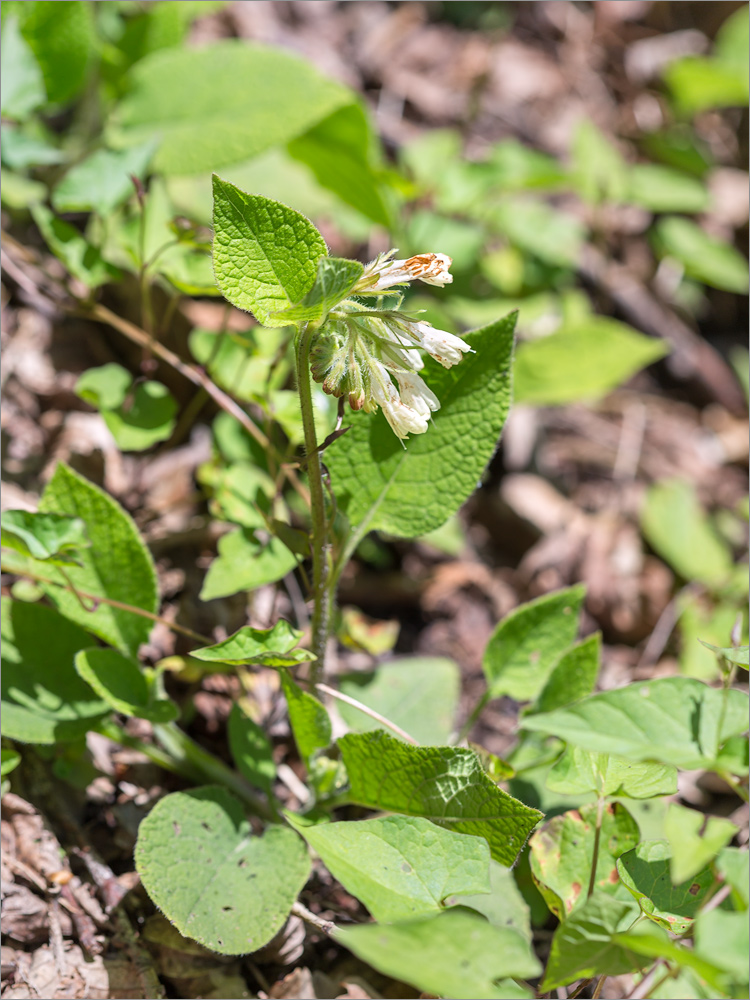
(360, 349)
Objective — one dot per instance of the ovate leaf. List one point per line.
(446, 785)
(125, 687)
(409, 492)
(251, 749)
(117, 565)
(267, 647)
(419, 694)
(712, 261)
(212, 877)
(562, 853)
(676, 720)
(44, 700)
(525, 646)
(265, 254)
(221, 104)
(645, 871)
(401, 866)
(310, 722)
(573, 676)
(455, 954)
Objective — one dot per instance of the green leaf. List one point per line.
(118, 565)
(695, 839)
(9, 761)
(268, 647)
(645, 871)
(580, 771)
(600, 172)
(20, 192)
(677, 528)
(341, 152)
(120, 682)
(61, 36)
(244, 563)
(43, 536)
(105, 387)
(244, 364)
(674, 720)
(265, 254)
(586, 944)
(573, 676)
(149, 417)
(44, 701)
(653, 941)
(221, 104)
(662, 189)
(21, 81)
(733, 866)
(525, 646)
(82, 259)
(334, 280)
(407, 492)
(102, 181)
(583, 361)
(714, 262)
(562, 853)
(310, 722)
(24, 147)
(419, 694)
(251, 749)
(212, 877)
(698, 83)
(400, 866)
(455, 954)
(503, 906)
(739, 655)
(446, 785)
(721, 938)
(553, 236)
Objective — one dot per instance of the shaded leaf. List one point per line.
(308, 718)
(572, 677)
(126, 688)
(251, 749)
(645, 871)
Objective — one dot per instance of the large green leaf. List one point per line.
(444, 784)
(645, 871)
(582, 361)
(61, 35)
(212, 877)
(408, 492)
(244, 563)
(341, 152)
(562, 853)
(525, 646)
(401, 866)
(44, 700)
(117, 565)
(695, 839)
(675, 720)
(221, 104)
(419, 694)
(265, 254)
(125, 687)
(677, 527)
(586, 944)
(455, 954)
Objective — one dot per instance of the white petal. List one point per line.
(417, 394)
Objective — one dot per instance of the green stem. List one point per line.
(320, 545)
(473, 716)
(597, 839)
(202, 765)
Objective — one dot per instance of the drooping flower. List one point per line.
(444, 347)
(383, 273)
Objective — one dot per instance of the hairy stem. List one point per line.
(320, 545)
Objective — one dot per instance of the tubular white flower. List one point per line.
(432, 268)
(403, 419)
(416, 393)
(443, 346)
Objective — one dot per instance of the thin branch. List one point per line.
(326, 926)
(642, 989)
(368, 711)
(120, 605)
